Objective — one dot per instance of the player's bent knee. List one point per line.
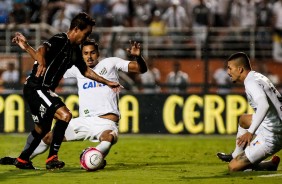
(245, 121)
(110, 136)
(232, 168)
(115, 137)
(63, 114)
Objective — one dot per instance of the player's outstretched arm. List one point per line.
(92, 75)
(139, 65)
(37, 55)
(20, 39)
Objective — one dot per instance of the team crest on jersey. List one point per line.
(86, 111)
(103, 71)
(42, 110)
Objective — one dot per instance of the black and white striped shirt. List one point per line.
(59, 57)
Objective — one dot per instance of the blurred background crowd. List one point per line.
(141, 13)
(176, 31)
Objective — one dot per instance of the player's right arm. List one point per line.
(258, 95)
(40, 58)
(139, 65)
(89, 73)
(38, 55)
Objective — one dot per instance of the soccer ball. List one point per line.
(91, 159)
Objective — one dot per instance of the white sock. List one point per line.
(239, 149)
(41, 148)
(104, 147)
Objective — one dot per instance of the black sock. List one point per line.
(58, 136)
(32, 142)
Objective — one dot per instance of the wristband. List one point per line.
(140, 60)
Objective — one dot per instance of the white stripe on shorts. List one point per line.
(46, 100)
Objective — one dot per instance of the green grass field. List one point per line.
(159, 159)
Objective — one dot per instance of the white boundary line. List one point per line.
(270, 175)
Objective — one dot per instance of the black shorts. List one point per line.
(43, 104)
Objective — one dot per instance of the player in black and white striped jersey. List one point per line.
(53, 58)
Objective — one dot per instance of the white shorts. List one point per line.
(83, 128)
(262, 147)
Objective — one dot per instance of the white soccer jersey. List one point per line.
(278, 14)
(260, 89)
(95, 98)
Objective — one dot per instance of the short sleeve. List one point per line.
(79, 62)
(58, 40)
(71, 73)
(121, 64)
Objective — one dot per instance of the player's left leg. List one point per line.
(41, 148)
(107, 139)
(33, 140)
(244, 123)
(239, 163)
(43, 145)
(259, 149)
(95, 129)
(63, 116)
(105, 131)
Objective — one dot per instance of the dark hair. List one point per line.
(242, 59)
(81, 21)
(90, 42)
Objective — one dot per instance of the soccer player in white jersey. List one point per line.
(98, 104)
(260, 134)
